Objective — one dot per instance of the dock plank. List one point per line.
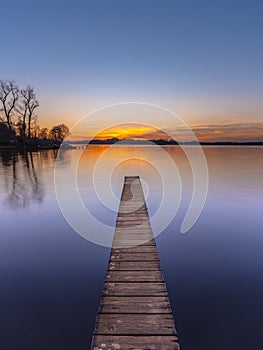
(138, 305)
(134, 276)
(134, 288)
(135, 324)
(136, 343)
(133, 265)
(134, 256)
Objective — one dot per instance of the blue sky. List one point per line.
(202, 59)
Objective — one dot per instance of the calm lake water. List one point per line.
(52, 278)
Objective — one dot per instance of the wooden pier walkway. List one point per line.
(135, 312)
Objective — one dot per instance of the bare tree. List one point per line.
(26, 109)
(9, 95)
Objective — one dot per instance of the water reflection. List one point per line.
(21, 173)
(51, 279)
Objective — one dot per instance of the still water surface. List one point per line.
(51, 278)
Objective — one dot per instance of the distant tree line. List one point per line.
(18, 118)
(113, 140)
(163, 142)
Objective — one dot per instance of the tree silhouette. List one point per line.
(43, 133)
(26, 108)
(59, 132)
(9, 95)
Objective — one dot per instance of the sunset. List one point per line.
(139, 132)
(202, 60)
(225, 132)
(131, 175)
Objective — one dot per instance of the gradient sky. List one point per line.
(201, 59)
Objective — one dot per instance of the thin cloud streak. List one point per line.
(221, 132)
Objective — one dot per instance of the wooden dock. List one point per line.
(135, 312)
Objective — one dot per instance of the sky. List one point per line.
(201, 59)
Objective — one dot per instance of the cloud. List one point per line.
(222, 132)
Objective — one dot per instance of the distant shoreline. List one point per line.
(163, 143)
(72, 144)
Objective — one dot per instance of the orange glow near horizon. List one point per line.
(130, 132)
(210, 133)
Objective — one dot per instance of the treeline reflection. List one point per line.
(22, 176)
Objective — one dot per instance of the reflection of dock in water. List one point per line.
(135, 311)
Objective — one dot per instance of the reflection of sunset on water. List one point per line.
(38, 243)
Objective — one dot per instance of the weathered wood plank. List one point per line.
(150, 242)
(127, 218)
(120, 243)
(134, 276)
(155, 342)
(134, 288)
(139, 305)
(131, 215)
(133, 265)
(130, 232)
(134, 324)
(138, 231)
(136, 249)
(134, 256)
(135, 312)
